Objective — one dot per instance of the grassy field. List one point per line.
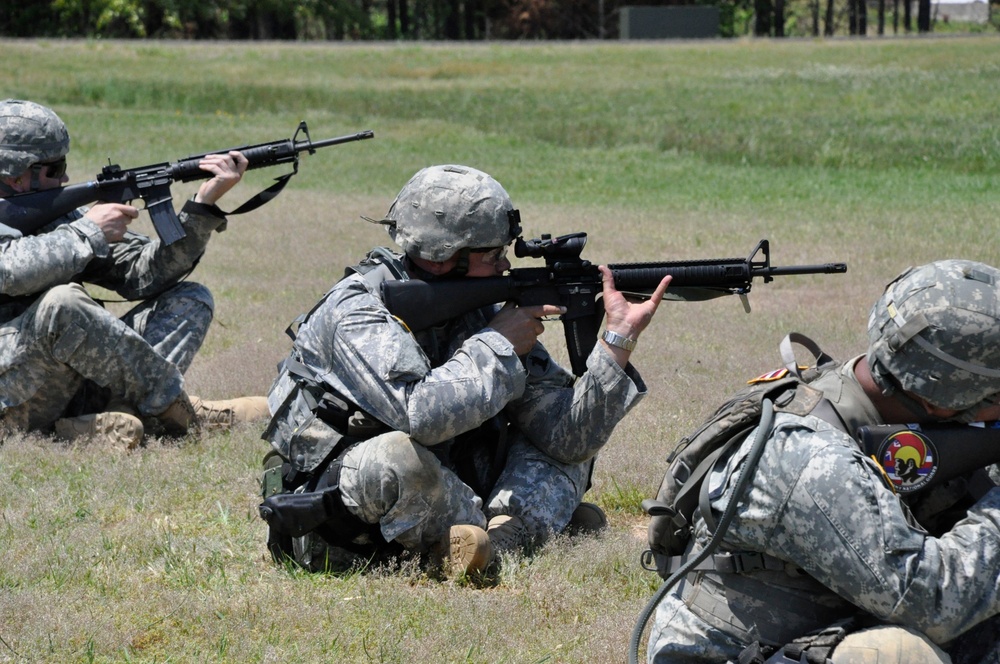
(880, 153)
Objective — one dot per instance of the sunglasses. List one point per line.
(491, 256)
(53, 169)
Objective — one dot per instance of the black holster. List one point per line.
(317, 506)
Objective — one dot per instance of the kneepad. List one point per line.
(888, 644)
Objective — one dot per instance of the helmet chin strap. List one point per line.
(462, 267)
(890, 388)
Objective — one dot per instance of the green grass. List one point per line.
(880, 153)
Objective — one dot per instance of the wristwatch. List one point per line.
(619, 341)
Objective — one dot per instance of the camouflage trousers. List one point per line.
(401, 485)
(66, 345)
(980, 645)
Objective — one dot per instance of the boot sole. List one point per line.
(470, 549)
(119, 428)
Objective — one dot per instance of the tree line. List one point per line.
(430, 19)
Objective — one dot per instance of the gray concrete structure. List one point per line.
(688, 22)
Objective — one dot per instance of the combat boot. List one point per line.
(178, 419)
(507, 534)
(120, 428)
(224, 414)
(469, 549)
(587, 519)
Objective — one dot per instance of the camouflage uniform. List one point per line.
(57, 344)
(853, 547)
(435, 386)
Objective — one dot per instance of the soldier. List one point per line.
(464, 440)
(66, 363)
(836, 550)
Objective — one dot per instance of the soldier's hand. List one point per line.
(523, 325)
(228, 170)
(113, 219)
(627, 318)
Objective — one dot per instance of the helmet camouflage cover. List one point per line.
(29, 133)
(444, 209)
(936, 331)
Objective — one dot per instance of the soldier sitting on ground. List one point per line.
(462, 441)
(67, 364)
(833, 550)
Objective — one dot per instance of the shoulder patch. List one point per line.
(909, 460)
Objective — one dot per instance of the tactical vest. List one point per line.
(314, 419)
(309, 432)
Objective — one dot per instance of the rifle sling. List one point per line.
(264, 196)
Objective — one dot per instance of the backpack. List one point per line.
(683, 490)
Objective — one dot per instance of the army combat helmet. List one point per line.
(29, 134)
(445, 209)
(935, 333)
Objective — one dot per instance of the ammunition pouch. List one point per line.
(314, 420)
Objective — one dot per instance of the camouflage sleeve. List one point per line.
(140, 266)
(818, 502)
(571, 420)
(360, 348)
(34, 263)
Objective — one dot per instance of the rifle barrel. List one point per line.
(825, 268)
(360, 136)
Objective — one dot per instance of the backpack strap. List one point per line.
(820, 407)
(821, 362)
(801, 401)
(733, 562)
(700, 472)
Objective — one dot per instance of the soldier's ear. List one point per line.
(12, 185)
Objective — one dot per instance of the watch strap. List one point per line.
(618, 340)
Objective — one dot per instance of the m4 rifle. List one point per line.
(575, 283)
(31, 211)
